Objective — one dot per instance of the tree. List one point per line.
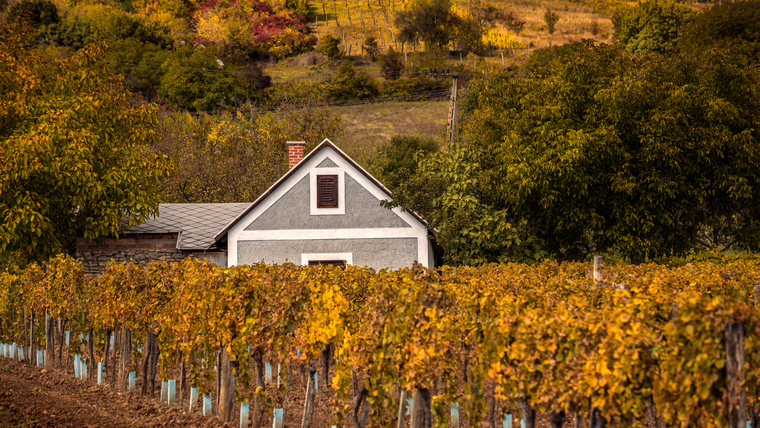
(197, 79)
(428, 20)
(370, 46)
(604, 151)
(235, 158)
(74, 150)
(551, 18)
(650, 26)
(34, 12)
(329, 46)
(735, 26)
(391, 65)
(398, 159)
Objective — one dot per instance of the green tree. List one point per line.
(650, 26)
(370, 46)
(428, 20)
(398, 159)
(34, 12)
(197, 79)
(330, 46)
(603, 152)
(74, 150)
(391, 64)
(734, 26)
(551, 18)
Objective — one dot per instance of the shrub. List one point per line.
(348, 84)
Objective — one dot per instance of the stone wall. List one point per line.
(139, 248)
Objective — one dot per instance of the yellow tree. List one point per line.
(74, 154)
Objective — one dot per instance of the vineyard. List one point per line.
(353, 21)
(623, 345)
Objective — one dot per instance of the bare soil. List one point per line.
(36, 397)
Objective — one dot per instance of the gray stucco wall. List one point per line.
(376, 253)
(327, 163)
(292, 211)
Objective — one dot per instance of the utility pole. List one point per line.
(452, 130)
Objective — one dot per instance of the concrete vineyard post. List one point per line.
(193, 399)
(455, 415)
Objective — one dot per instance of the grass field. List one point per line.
(368, 126)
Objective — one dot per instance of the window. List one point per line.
(327, 191)
(337, 259)
(341, 263)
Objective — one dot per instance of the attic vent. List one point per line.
(327, 191)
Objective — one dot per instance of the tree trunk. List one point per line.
(32, 342)
(49, 341)
(653, 419)
(26, 335)
(125, 358)
(61, 338)
(326, 353)
(556, 419)
(308, 406)
(181, 378)
(106, 353)
(91, 345)
(148, 352)
(116, 349)
(258, 406)
(357, 408)
(527, 412)
(737, 395)
(154, 354)
(227, 391)
(421, 415)
(218, 377)
(492, 409)
(596, 420)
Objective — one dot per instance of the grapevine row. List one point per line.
(649, 342)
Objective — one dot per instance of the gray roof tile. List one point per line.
(197, 224)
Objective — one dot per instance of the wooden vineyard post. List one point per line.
(598, 278)
(308, 405)
(421, 415)
(401, 409)
(125, 356)
(527, 412)
(737, 395)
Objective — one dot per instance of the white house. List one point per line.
(326, 209)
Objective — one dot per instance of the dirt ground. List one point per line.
(37, 397)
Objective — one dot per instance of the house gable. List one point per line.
(286, 222)
(292, 211)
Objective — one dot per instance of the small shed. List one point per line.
(179, 231)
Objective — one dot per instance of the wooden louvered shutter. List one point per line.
(327, 191)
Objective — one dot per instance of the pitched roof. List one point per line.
(197, 224)
(324, 144)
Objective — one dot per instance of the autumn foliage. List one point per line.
(648, 341)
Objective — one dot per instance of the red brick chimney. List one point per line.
(295, 152)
